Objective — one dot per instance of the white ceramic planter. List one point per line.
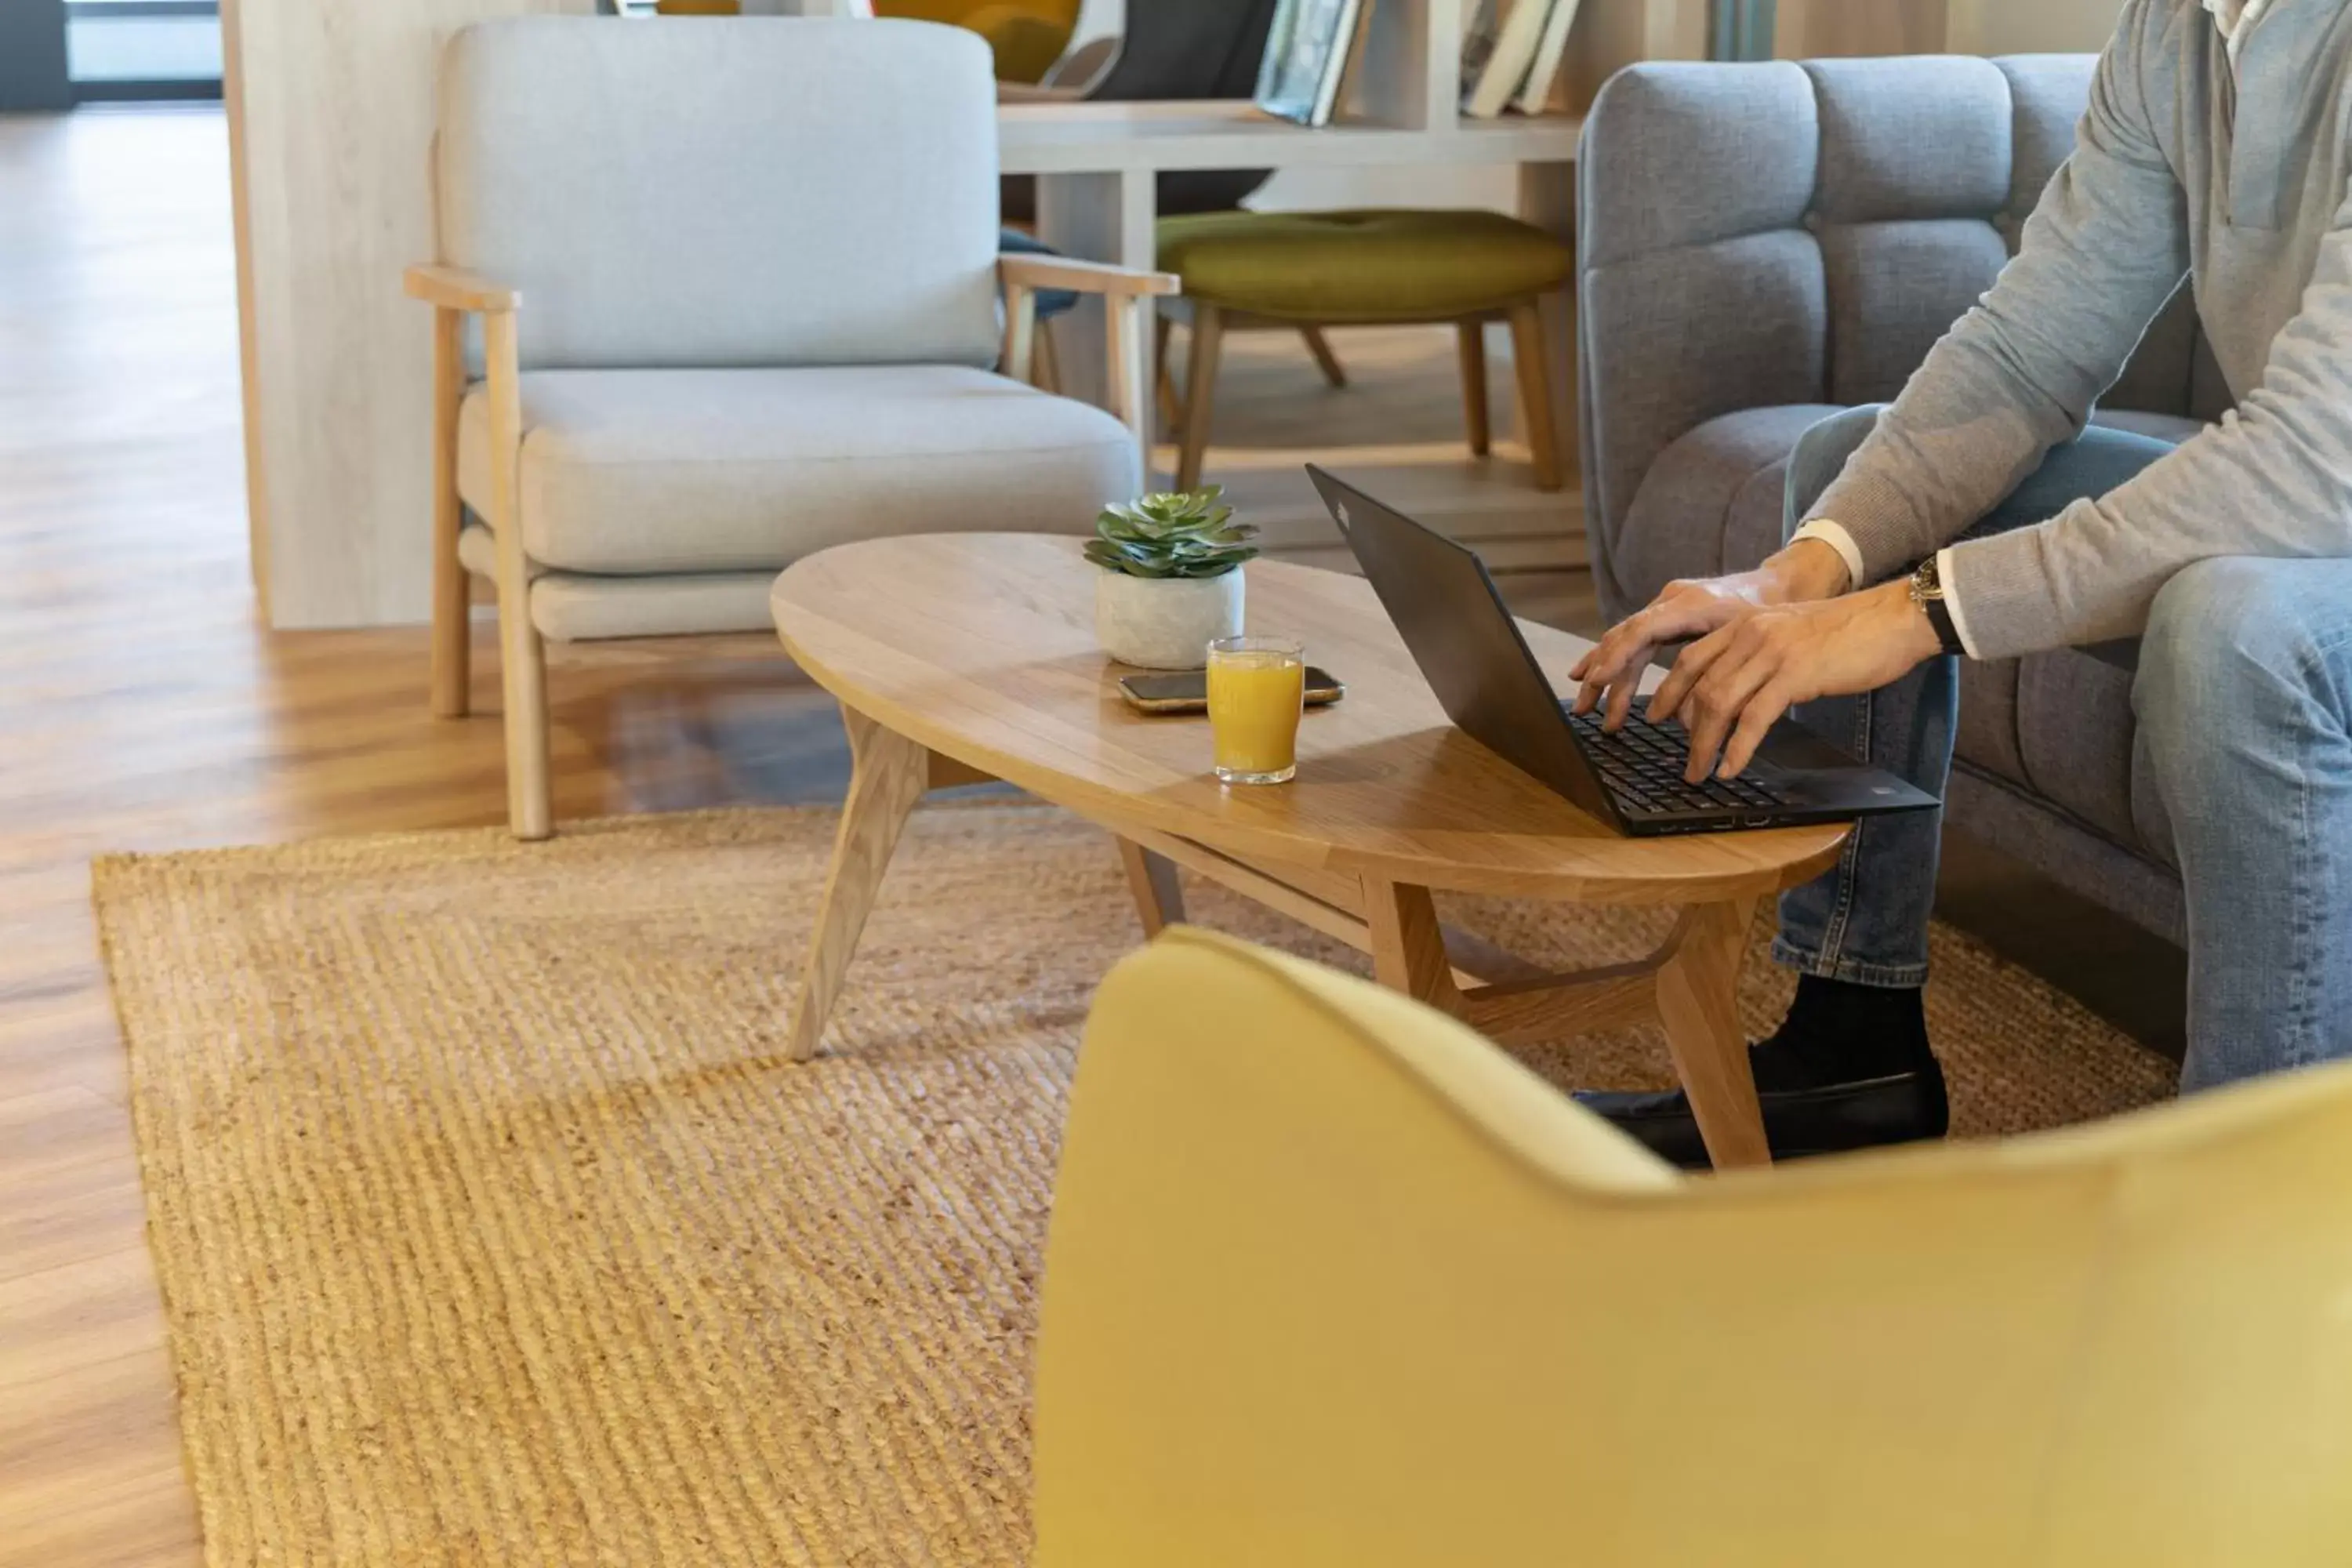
(1166, 623)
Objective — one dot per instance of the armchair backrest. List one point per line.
(1332, 1281)
(722, 192)
(1782, 233)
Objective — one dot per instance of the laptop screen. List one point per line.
(1461, 634)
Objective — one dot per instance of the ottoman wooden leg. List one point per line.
(1534, 393)
(1334, 372)
(1199, 392)
(1163, 379)
(1473, 335)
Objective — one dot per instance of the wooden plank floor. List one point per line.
(141, 707)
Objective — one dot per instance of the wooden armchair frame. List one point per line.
(455, 294)
(1127, 292)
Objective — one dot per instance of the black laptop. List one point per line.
(1468, 647)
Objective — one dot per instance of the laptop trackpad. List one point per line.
(1802, 769)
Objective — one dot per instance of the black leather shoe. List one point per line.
(1898, 1108)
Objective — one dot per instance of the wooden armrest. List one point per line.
(454, 289)
(1022, 269)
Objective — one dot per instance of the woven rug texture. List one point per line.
(494, 1227)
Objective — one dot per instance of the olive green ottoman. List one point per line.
(1311, 269)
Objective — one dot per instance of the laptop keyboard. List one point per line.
(1641, 763)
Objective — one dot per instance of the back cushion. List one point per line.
(1694, 266)
(1915, 169)
(727, 192)
(1929, 168)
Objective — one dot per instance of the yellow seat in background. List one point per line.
(1332, 1281)
(1025, 36)
(1360, 267)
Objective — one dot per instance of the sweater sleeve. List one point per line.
(2273, 479)
(2105, 249)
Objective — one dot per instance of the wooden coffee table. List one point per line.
(963, 658)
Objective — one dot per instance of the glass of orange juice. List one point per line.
(1258, 688)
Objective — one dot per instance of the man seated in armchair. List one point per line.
(1980, 516)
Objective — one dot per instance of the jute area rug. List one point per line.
(494, 1227)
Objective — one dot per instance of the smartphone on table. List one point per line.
(1187, 692)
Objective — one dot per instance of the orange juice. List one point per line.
(1258, 688)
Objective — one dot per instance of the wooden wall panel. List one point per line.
(1613, 34)
(1811, 30)
(331, 102)
(2029, 27)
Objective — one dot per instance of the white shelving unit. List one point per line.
(1093, 137)
(1095, 163)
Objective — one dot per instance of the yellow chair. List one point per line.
(1332, 1281)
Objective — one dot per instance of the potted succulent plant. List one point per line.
(1171, 579)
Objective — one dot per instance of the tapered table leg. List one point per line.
(889, 773)
(1698, 1004)
(1409, 944)
(1159, 896)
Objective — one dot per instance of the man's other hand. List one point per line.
(1611, 673)
(1732, 686)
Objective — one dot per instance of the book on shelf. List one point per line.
(1510, 52)
(1306, 51)
(1535, 95)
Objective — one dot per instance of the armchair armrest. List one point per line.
(1126, 293)
(455, 289)
(1023, 271)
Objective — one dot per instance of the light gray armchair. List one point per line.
(737, 284)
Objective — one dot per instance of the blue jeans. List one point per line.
(2245, 699)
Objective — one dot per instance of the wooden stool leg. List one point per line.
(1473, 334)
(1326, 361)
(1163, 379)
(1159, 896)
(1698, 1004)
(1534, 393)
(1045, 367)
(1408, 943)
(889, 773)
(1199, 392)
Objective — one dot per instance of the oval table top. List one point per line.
(981, 647)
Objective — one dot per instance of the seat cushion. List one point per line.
(1365, 265)
(638, 472)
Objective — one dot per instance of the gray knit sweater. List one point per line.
(2237, 180)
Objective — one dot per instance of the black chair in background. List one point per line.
(1176, 51)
